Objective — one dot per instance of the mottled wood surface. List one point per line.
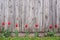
(42, 12)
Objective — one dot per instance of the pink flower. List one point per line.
(36, 25)
(16, 25)
(50, 26)
(26, 25)
(56, 26)
(9, 22)
(3, 23)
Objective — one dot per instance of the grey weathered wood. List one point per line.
(42, 12)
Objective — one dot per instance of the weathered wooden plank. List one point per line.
(39, 15)
(0, 14)
(6, 14)
(46, 15)
(17, 13)
(42, 12)
(58, 14)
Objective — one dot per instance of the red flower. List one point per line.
(50, 26)
(16, 25)
(36, 25)
(9, 23)
(3, 23)
(56, 26)
(26, 25)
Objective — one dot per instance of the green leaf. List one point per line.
(36, 34)
(7, 33)
(27, 33)
(16, 33)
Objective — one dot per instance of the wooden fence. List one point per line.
(42, 12)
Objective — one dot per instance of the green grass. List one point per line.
(30, 38)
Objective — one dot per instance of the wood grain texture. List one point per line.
(21, 12)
